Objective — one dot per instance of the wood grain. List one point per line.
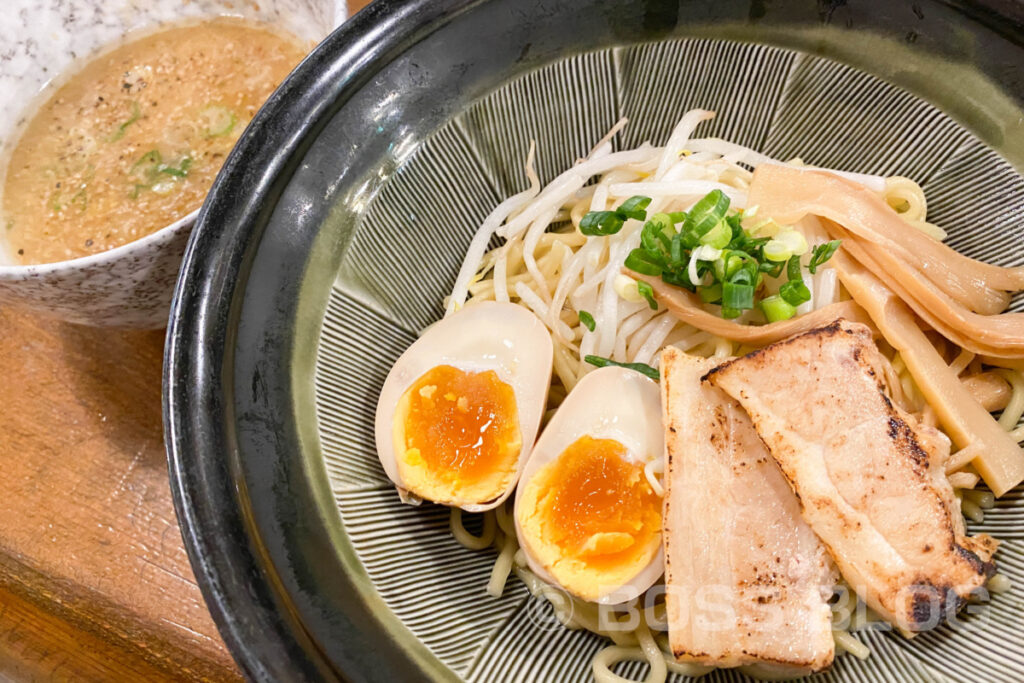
(94, 581)
(88, 535)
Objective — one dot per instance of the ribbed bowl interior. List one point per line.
(410, 243)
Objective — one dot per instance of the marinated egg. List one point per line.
(586, 514)
(461, 407)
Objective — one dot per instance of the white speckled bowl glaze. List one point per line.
(132, 285)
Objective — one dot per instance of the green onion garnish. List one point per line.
(600, 223)
(718, 236)
(178, 172)
(795, 292)
(706, 213)
(150, 166)
(707, 251)
(642, 368)
(738, 296)
(776, 308)
(772, 268)
(822, 253)
(712, 294)
(147, 162)
(644, 263)
(219, 120)
(777, 250)
(123, 128)
(648, 293)
(730, 313)
(793, 269)
(145, 171)
(80, 198)
(587, 321)
(634, 207)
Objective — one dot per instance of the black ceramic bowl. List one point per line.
(337, 226)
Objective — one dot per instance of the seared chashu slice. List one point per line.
(870, 479)
(747, 580)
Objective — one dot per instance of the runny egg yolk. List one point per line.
(591, 518)
(456, 435)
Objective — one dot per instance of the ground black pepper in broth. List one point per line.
(133, 141)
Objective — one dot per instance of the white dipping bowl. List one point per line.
(130, 285)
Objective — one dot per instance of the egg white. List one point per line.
(608, 403)
(503, 337)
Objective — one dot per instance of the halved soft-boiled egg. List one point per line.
(460, 409)
(587, 514)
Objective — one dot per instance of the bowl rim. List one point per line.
(19, 271)
(251, 610)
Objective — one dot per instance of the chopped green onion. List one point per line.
(718, 236)
(219, 120)
(719, 269)
(793, 269)
(148, 169)
(80, 198)
(148, 162)
(123, 128)
(648, 293)
(730, 313)
(634, 208)
(678, 278)
(643, 262)
(651, 237)
(772, 268)
(626, 288)
(737, 296)
(706, 253)
(599, 223)
(706, 213)
(777, 250)
(795, 292)
(642, 368)
(776, 308)
(711, 294)
(710, 253)
(701, 253)
(587, 320)
(793, 239)
(766, 228)
(677, 250)
(734, 266)
(729, 264)
(180, 172)
(822, 253)
(667, 231)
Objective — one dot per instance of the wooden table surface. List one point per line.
(94, 581)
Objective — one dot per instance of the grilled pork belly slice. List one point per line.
(747, 580)
(870, 479)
